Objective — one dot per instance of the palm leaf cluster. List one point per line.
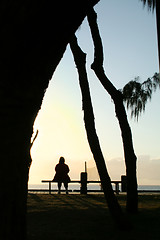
(150, 3)
(136, 94)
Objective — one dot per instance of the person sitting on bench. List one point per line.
(61, 175)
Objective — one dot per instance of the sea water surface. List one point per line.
(45, 186)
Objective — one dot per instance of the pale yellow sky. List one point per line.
(130, 45)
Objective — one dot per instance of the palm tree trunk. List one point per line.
(130, 157)
(114, 207)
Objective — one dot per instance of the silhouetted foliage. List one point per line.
(136, 94)
(150, 3)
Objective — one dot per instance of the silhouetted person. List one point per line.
(61, 175)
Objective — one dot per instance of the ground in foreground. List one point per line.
(87, 217)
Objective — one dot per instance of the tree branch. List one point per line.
(34, 139)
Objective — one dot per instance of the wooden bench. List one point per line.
(51, 181)
(83, 188)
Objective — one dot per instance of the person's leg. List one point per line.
(66, 187)
(59, 187)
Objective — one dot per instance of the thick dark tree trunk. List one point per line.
(34, 35)
(130, 157)
(114, 207)
(14, 174)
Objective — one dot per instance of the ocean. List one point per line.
(45, 186)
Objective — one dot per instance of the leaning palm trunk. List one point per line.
(130, 157)
(114, 207)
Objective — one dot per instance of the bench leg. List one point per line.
(49, 187)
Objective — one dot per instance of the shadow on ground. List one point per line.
(87, 217)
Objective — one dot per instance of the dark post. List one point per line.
(85, 166)
(83, 189)
(49, 187)
(124, 183)
(117, 188)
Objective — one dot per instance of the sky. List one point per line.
(129, 36)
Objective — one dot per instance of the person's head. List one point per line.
(61, 160)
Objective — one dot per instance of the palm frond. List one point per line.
(150, 3)
(136, 94)
(156, 80)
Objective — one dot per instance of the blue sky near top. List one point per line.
(129, 38)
